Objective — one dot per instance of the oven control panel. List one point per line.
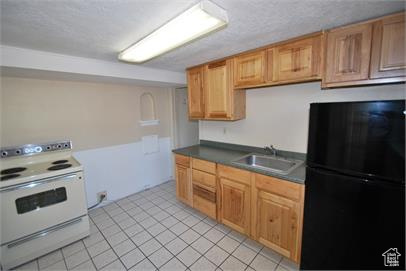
(31, 149)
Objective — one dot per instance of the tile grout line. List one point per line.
(178, 236)
(91, 259)
(100, 231)
(189, 227)
(163, 195)
(106, 250)
(202, 255)
(145, 229)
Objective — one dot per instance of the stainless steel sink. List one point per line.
(269, 163)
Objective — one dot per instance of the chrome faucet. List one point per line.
(270, 149)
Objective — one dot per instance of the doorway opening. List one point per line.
(186, 131)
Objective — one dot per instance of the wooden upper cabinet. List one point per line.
(388, 47)
(249, 69)
(269, 65)
(221, 100)
(296, 61)
(348, 52)
(218, 91)
(370, 52)
(195, 82)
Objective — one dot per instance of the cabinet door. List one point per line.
(195, 91)
(218, 91)
(249, 69)
(269, 64)
(388, 48)
(348, 53)
(298, 60)
(183, 184)
(277, 223)
(234, 209)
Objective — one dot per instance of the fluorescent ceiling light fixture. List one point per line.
(193, 23)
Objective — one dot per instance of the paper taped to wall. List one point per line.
(150, 144)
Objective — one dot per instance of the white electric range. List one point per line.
(42, 199)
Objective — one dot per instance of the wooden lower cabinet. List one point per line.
(277, 223)
(204, 200)
(204, 187)
(267, 209)
(278, 215)
(234, 205)
(183, 184)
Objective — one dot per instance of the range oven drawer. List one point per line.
(204, 200)
(31, 207)
(39, 244)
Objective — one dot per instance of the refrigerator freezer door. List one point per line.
(349, 222)
(365, 139)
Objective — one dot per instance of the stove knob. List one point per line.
(38, 149)
(59, 146)
(4, 153)
(18, 151)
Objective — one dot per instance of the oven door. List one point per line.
(35, 206)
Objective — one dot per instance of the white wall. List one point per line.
(102, 120)
(280, 115)
(187, 131)
(122, 170)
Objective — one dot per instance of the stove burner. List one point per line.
(8, 177)
(58, 167)
(59, 162)
(12, 170)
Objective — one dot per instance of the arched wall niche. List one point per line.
(148, 110)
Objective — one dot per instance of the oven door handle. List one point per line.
(70, 177)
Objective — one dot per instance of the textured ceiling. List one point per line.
(101, 28)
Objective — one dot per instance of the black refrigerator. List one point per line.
(354, 214)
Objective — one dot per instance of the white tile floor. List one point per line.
(151, 230)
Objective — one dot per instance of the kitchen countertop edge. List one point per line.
(296, 176)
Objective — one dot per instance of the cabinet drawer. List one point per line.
(204, 201)
(182, 160)
(203, 165)
(236, 174)
(203, 193)
(203, 178)
(283, 188)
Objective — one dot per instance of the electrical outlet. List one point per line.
(101, 196)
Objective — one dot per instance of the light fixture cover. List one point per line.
(193, 23)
